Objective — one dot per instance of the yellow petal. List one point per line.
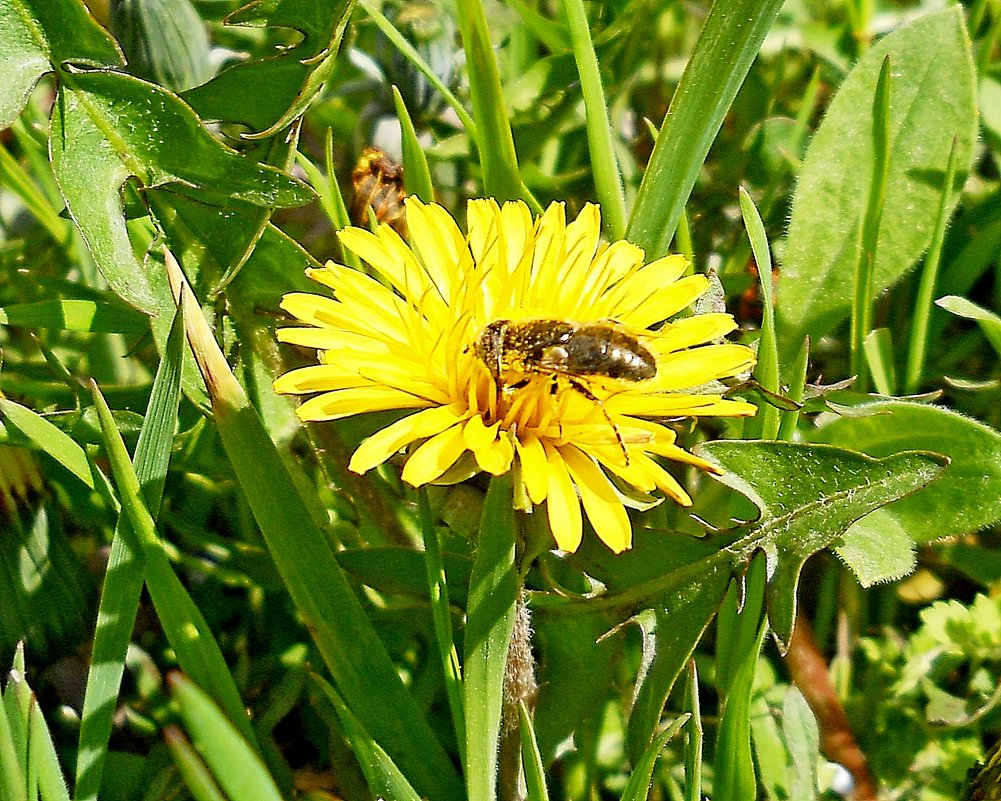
(689, 331)
(434, 457)
(604, 508)
(346, 402)
(477, 434)
(562, 504)
(695, 367)
(496, 458)
(383, 444)
(532, 456)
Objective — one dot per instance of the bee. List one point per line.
(378, 189)
(515, 351)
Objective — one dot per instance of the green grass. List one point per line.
(212, 606)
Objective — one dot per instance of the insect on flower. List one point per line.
(568, 353)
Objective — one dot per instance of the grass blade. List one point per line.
(926, 287)
(384, 779)
(493, 590)
(416, 176)
(531, 757)
(124, 576)
(350, 646)
(605, 168)
(234, 763)
(189, 634)
(728, 44)
(494, 140)
(693, 738)
(442, 619)
(869, 232)
(766, 424)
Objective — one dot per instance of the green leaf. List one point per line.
(803, 739)
(729, 42)
(808, 496)
(384, 779)
(988, 321)
(638, 786)
(165, 41)
(189, 634)
(830, 199)
(531, 757)
(268, 94)
(493, 591)
(495, 142)
(350, 646)
(38, 35)
(47, 438)
(604, 167)
(44, 763)
(965, 499)
(108, 127)
(234, 763)
(416, 176)
(123, 580)
(75, 315)
(733, 777)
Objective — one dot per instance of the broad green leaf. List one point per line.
(268, 94)
(729, 42)
(234, 763)
(350, 646)
(808, 496)
(165, 41)
(124, 578)
(831, 195)
(384, 779)
(75, 315)
(493, 591)
(108, 127)
(670, 633)
(965, 499)
(46, 437)
(38, 35)
(571, 645)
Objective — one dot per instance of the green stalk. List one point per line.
(494, 140)
(862, 300)
(728, 44)
(408, 51)
(926, 288)
(605, 168)
(493, 592)
(766, 372)
(442, 620)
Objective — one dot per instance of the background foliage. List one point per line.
(835, 164)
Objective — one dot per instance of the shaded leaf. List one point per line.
(965, 499)
(38, 35)
(933, 100)
(808, 496)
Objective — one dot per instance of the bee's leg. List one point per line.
(582, 388)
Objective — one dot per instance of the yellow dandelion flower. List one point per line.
(526, 345)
